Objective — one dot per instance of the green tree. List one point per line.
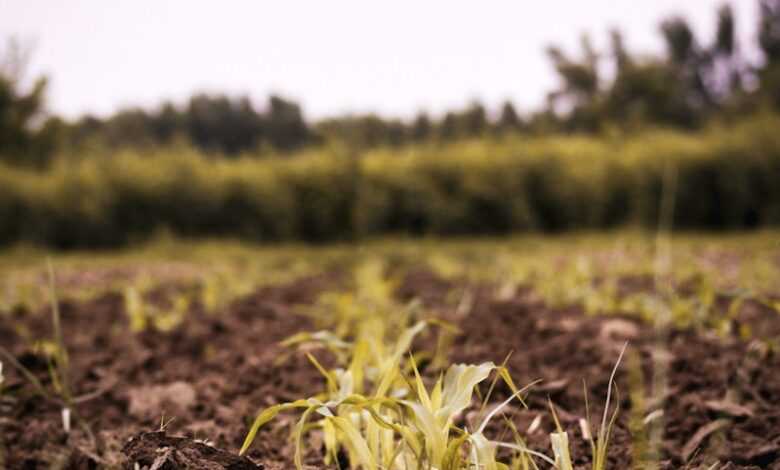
(728, 77)
(769, 42)
(508, 120)
(644, 90)
(579, 93)
(448, 128)
(24, 139)
(421, 127)
(692, 66)
(473, 121)
(769, 30)
(284, 123)
(219, 123)
(167, 123)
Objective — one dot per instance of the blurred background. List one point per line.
(318, 122)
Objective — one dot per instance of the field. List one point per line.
(196, 339)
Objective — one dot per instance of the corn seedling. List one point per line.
(385, 430)
(166, 319)
(142, 314)
(369, 322)
(218, 289)
(377, 408)
(370, 304)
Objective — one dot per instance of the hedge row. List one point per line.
(725, 178)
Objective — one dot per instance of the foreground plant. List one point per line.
(376, 407)
(400, 428)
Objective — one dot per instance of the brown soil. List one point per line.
(208, 377)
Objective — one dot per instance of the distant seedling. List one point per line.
(143, 315)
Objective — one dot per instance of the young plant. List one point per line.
(369, 321)
(381, 430)
(167, 319)
(376, 406)
(559, 440)
(219, 288)
(142, 314)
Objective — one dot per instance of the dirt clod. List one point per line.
(158, 451)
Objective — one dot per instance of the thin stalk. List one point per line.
(662, 265)
(61, 356)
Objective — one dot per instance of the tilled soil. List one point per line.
(207, 378)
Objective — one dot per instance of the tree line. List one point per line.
(693, 82)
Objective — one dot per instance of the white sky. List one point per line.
(393, 57)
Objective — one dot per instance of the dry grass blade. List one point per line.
(695, 441)
(605, 431)
(61, 373)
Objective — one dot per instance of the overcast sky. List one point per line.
(393, 57)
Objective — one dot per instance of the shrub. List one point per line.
(725, 178)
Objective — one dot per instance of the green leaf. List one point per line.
(267, 415)
(355, 442)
